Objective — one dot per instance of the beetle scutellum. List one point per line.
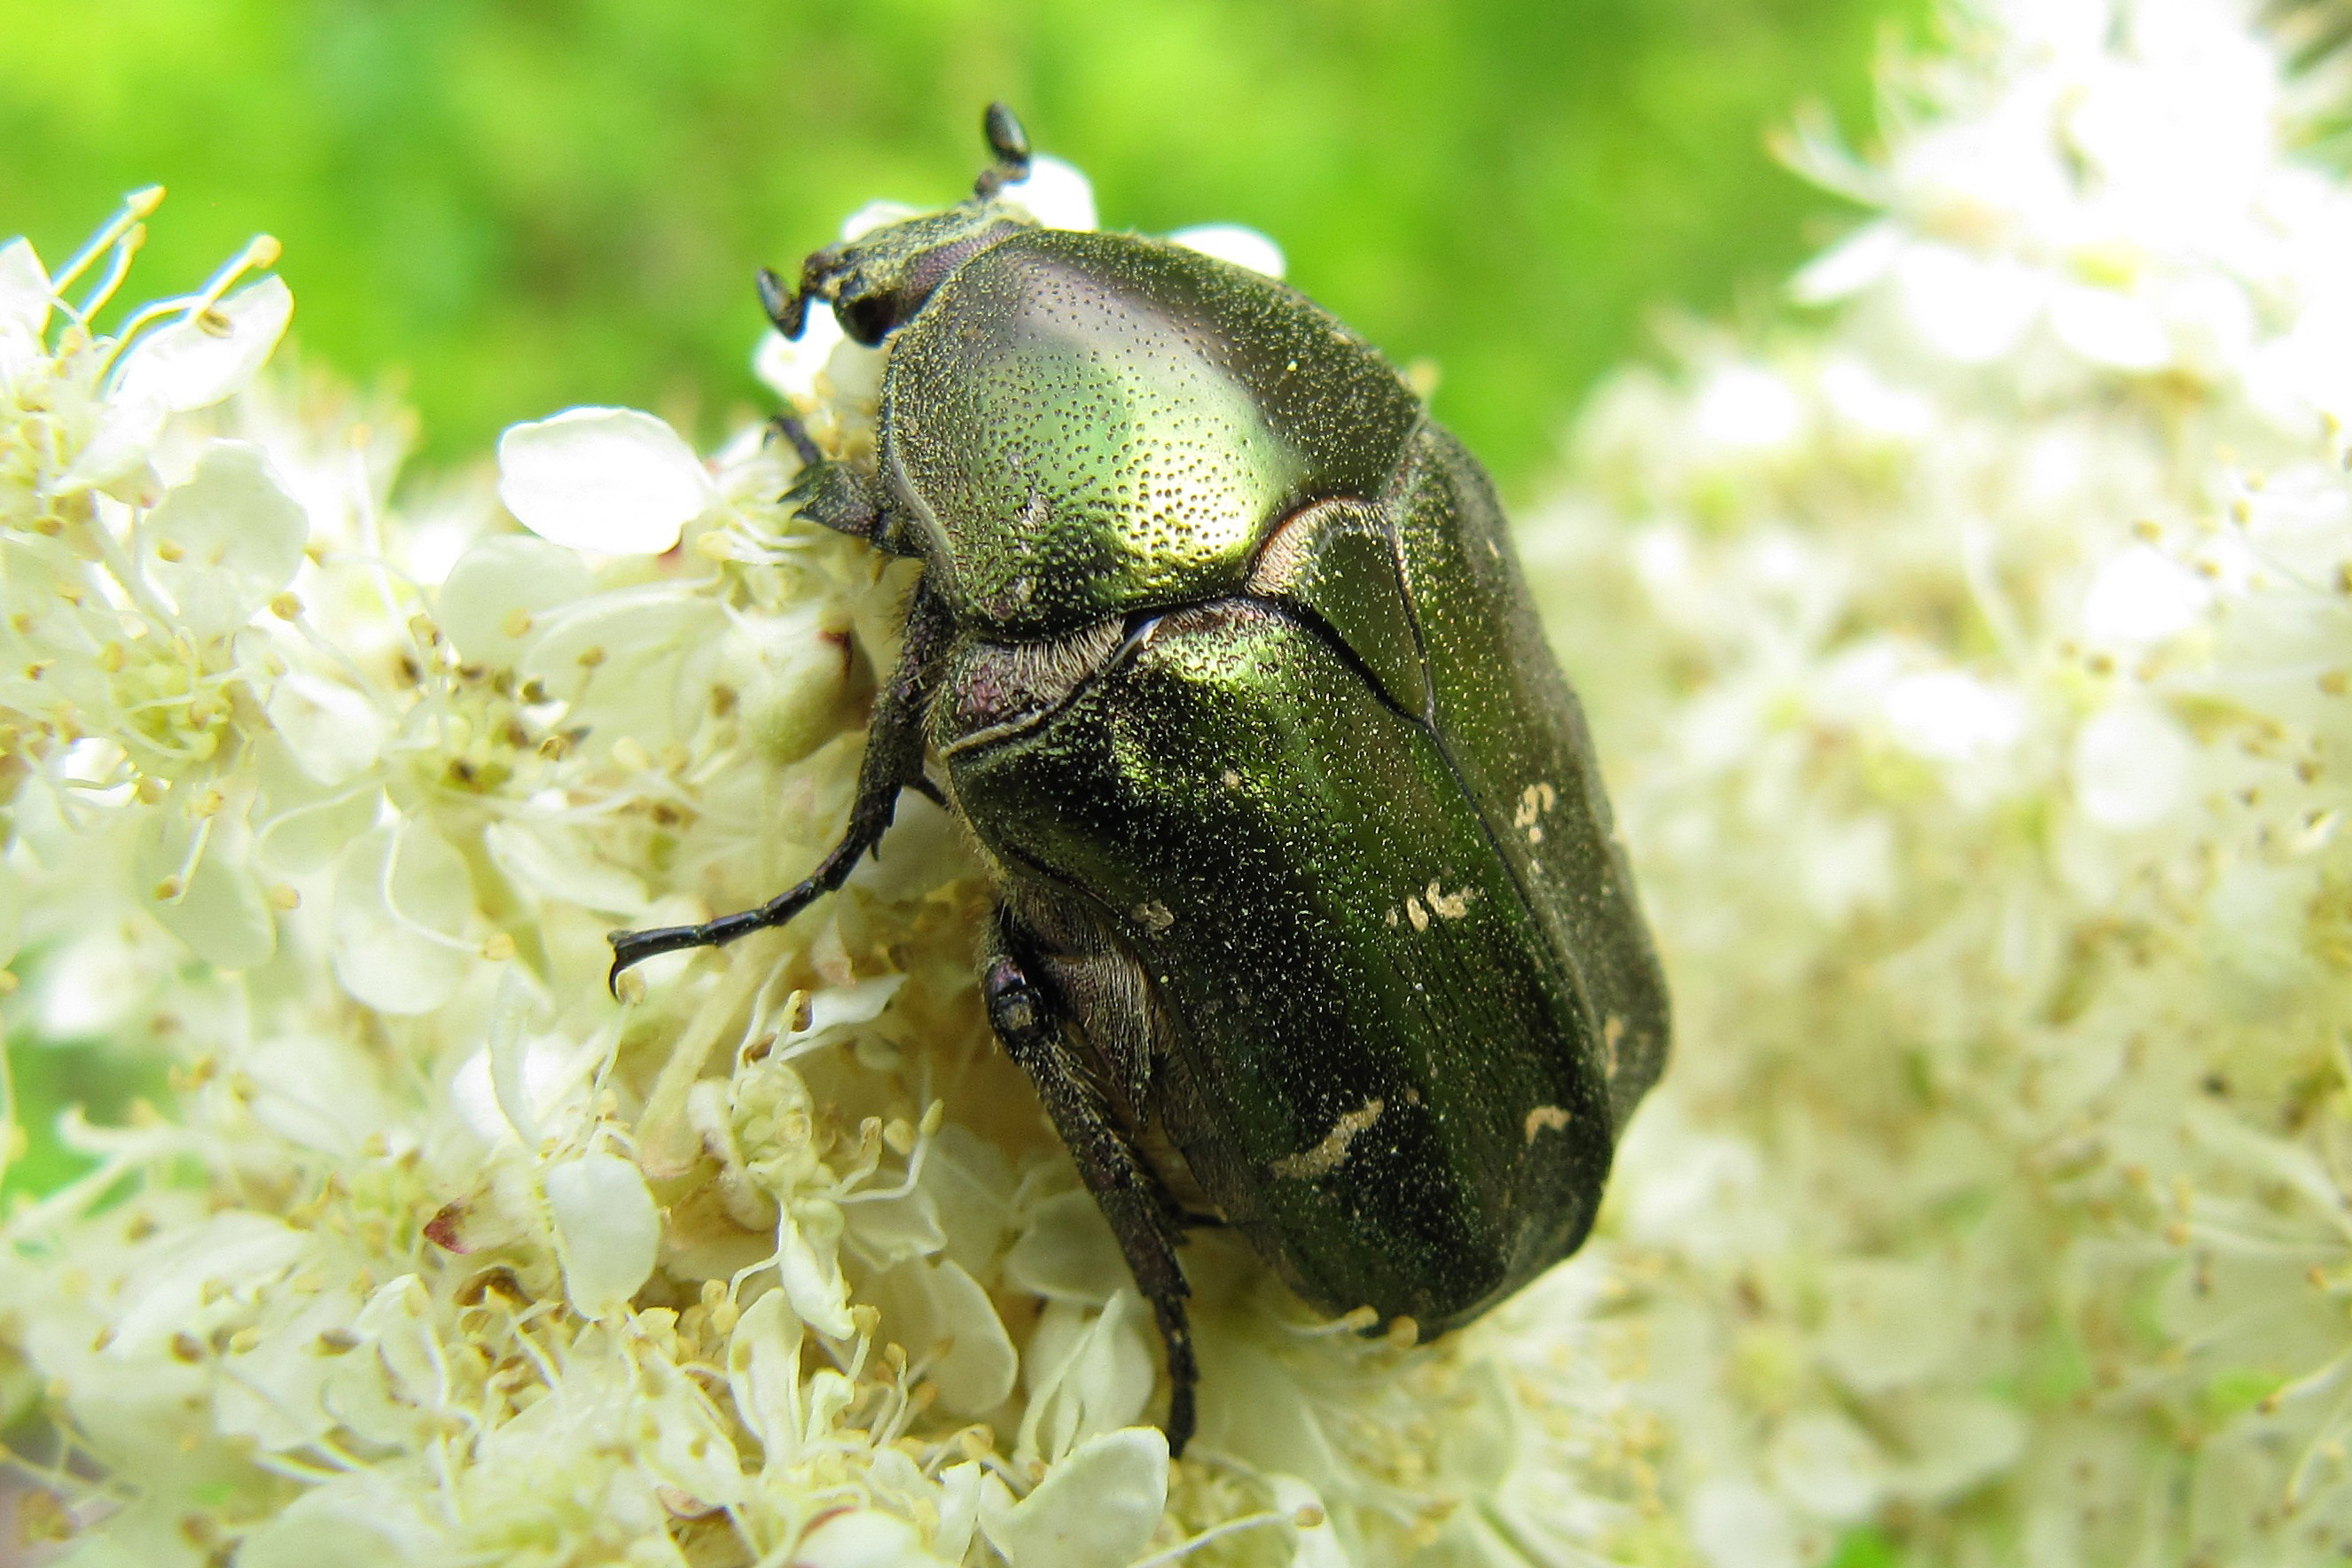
(1304, 866)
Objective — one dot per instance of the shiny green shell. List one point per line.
(1250, 712)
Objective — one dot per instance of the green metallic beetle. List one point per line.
(1309, 912)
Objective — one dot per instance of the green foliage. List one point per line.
(526, 205)
(1864, 1547)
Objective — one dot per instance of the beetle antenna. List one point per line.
(1009, 144)
(788, 310)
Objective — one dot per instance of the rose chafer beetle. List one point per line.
(1309, 910)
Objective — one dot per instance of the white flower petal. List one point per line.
(865, 1538)
(607, 1232)
(1096, 1509)
(119, 449)
(1851, 265)
(941, 1316)
(1055, 194)
(499, 593)
(791, 366)
(316, 1092)
(298, 824)
(226, 541)
(1889, 1321)
(401, 897)
(24, 290)
(1738, 1524)
(332, 731)
(2142, 596)
(2132, 765)
(1969, 308)
(1957, 1442)
(808, 1265)
(1315, 1544)
(959, 1489)
(763, 1374)
(1088, 1373)
(218, 909)
(877, 215)
(1242, 245)
(793, 671)
(1067, 1253)
(325, 1526)
(1949, 715)
(1748, 408)
(555, 860)
(195, 362)
(611, 480)
(2109, 327)
(1827, 1465)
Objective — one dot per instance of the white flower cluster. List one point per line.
(1976, 667)
(324, 796)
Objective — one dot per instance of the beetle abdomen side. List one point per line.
(1089, 424)
(1377, 1064)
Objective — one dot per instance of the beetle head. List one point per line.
(881, 278)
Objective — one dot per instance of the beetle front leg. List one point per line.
(893, 761)
(1027, 1019)
(840, 496)
(847, 499)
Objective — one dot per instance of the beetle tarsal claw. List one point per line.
(631, 948)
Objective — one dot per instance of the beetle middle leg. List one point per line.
(1029, 1020)
(893, 761)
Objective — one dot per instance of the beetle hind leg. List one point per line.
(1028, 1019)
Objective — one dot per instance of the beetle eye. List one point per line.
(867, 317)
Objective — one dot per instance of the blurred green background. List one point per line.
(513, 206)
